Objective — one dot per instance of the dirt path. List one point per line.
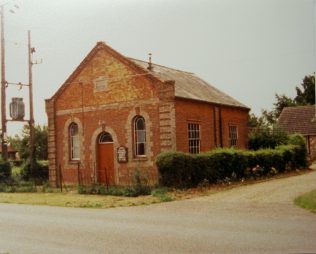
(274, 191)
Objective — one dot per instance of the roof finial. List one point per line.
(149, 62)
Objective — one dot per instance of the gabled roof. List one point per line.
(189, 86)
(100, 46)
(298, 120)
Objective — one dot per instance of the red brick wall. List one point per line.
(236, 117)
(126, 96)
(188, 111)
(115, 121)
(129, 93)
(208, 116)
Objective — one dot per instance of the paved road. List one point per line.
(254, 219)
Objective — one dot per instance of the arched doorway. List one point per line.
(105, 159)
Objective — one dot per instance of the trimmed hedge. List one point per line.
(186, 170)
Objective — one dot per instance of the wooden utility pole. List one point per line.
(3, 93)
(31, 122)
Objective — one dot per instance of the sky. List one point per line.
(249, 49)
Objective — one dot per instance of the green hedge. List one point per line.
(186, 170)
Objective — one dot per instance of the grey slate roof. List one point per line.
(298, 120)
(189, 86)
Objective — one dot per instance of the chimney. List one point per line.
(149, 63)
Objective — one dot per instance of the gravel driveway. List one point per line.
(258, 218)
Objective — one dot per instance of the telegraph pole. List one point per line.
(3, 95)
(31, 122)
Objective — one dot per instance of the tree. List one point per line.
(282, 101)
(264, 132)
(306, 96)
(21, 142)
(270, 117)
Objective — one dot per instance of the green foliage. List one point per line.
(223, 165)
(127, 191)
(5, 171)
(300, 155)
(39, 173)
(17, 163)
(266, 138)
(186, 170)
(161, 193)
(139, 188)
(306, 95)
(268, 159)
(21, 142)
(18, 187)
(270, 117)
(282, 101)
(180, 163)
(307, 201)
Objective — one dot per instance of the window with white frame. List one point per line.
(74, 142)
(139, 136)
(194, 137)
(233, 135)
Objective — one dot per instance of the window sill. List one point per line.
(140, 158)
(74, 161)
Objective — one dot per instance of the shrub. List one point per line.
(39, 172)
(186, 170)
(5, 171)
(18, 187)
(127, 191)
(204, 169)
(161, 193)
(17, 163)
(228, 162)
(266, 138)
(175, 168)
(300, 156)
(288, 154)
(140, 187)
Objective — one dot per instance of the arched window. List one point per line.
(74, 142)
(105, 137)
(139, 136)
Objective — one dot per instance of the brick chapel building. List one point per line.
(114, 115)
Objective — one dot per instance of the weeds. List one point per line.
(162, 194)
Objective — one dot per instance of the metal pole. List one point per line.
(30, 51)
(314, 6)
(3, 95)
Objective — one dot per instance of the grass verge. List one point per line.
(307, 201)
(76, 200)
(158, 195)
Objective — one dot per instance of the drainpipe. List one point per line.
(220, 127)
(215, 127)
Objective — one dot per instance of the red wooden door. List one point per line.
(106, 163)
